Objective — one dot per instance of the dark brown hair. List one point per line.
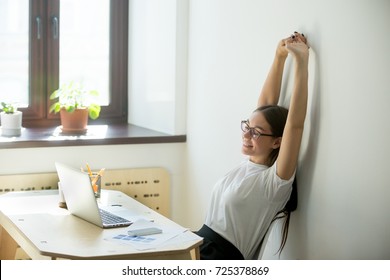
(276, 116)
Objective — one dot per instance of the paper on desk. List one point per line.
(146, 242)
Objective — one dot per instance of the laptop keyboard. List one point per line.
(110, 218)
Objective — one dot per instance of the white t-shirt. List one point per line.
(244, 202)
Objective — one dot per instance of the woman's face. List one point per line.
(259, 148)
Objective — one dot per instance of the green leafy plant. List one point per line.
(8, 108)
(73, 96)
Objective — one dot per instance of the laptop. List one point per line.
(80, 198)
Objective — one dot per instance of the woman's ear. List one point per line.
(277, 142)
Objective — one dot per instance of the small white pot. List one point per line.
(11, 124)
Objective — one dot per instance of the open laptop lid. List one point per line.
(78, 194)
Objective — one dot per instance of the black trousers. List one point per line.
(215, 247)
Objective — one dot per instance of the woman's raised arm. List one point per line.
(292, 135)
(270, 92)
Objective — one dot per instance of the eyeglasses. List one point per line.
(255, 133)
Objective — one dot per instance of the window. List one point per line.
(48, 43)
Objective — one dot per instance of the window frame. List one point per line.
(44, 65)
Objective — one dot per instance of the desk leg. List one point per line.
(195, 253)
(8, 246)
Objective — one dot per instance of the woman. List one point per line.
(251, 196)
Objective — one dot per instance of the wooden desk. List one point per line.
(45, 231)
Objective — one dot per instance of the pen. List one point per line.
(89, 170)
(99, 174)
(93, 179)
(101, 171)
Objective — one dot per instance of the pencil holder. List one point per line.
(96, 183)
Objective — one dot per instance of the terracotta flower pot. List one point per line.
(75, 122)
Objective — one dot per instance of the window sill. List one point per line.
(96, 135)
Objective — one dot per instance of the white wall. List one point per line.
(343, 188)
(157, 64)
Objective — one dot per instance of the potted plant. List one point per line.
(75, 105)
(11, 120)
